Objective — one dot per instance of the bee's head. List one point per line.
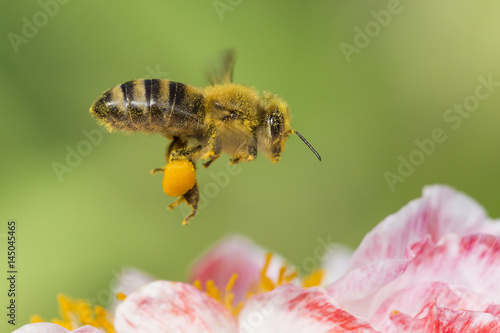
(276, 128)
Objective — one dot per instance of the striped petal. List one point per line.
(471, 262)
(435, 319)
(440, 211)
(291, 308)
(413, 299)
(164, 306)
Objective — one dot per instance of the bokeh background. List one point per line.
(362, 85)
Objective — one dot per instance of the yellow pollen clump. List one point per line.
(179, 177)
(77, 313)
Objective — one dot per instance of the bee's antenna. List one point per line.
(307, 144)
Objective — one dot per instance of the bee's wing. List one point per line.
(224, 73)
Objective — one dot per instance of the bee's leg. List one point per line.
(250, 155)
(215, 145)
(185, 153)
(176, 143)
(191, 197)
(155, 171)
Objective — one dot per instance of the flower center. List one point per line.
(264, 284)
(76, 313)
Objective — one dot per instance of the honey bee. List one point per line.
(202, 123)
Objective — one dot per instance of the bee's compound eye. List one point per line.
(179, 177)
(275, 123)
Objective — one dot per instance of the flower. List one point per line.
(54, 328)
(434, 266)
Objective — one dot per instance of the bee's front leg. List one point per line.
(248, 154)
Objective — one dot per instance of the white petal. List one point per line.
(130, 279)
(336, 263)
(87, 329)
(41, 328)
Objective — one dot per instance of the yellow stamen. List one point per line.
(229, 295)
(197, 284)
(36, 319)
(231, 282)
(212, 290)
(313, 279)
(77, 313)
(265, 283)
(103, 319)
(121, 296)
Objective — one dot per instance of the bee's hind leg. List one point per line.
(176, 143)
(191, 197)
(155, 171)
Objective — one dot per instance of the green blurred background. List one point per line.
(361, 112)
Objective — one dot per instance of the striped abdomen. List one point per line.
(162, 106)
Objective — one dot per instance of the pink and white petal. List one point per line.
(355, 289)
(87, 329)
(491, 227)
(165, 306)
(440, 211)
(413, 299)
(291, 308)
(130, 279)
(434, 319)
(471, 262)
(336, 262)
(41, 328)
(234, 254)
(494, 309)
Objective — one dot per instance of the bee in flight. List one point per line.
(202, 123)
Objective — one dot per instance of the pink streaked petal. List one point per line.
(355, 288)
(494, 309)
(165, 306)
(234, 254)
(440, 211)
(291, 308)
(336, 262)
(434, 319)
(470, 262)
(41, 328)
(413, 299)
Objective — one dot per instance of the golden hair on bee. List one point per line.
(202, 123)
